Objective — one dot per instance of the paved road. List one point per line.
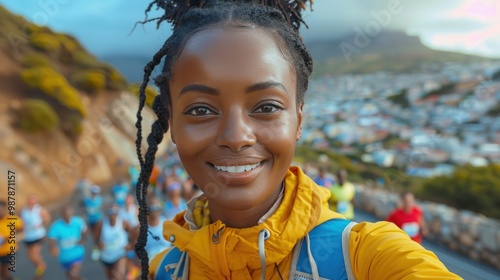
(93, 270)
(457, 263)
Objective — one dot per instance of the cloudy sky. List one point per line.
(104, 26)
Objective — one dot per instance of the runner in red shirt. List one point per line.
(409, 217)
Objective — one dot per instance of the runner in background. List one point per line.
(6, 231)
(129, 214)
(154, 175)
(174, 203)
(66, 239)
(114, 243)
(156, 243)
(129, 211)
(120, 191)
(189, 189)
(409, 218)
(93, 210)
(342, 196)
(82, 190)
(35, 218)
(323, 179)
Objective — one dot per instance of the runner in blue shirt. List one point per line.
(175, 203)
(120, 191)
(323, 179)
(93, 210)
(66, 237)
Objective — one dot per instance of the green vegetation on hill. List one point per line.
(495, 111)
(57, 70)
(52, 83)
(36, 115)
(473, 188)
(400, 99)
(443, 90)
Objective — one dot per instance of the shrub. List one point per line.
(36, 60)
(46, 42)
(37, 115)
(72, 124)
(31, 29)
(89, 80)
(55, 85)
(115, 79)
(151, 93)
(68, 42)
(473, 188)
(84, 60)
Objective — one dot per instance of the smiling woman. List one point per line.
(232, 90)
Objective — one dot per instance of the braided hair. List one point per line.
(282, 18)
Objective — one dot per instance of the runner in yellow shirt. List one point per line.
(343, 193)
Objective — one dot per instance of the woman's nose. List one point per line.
(235, 131)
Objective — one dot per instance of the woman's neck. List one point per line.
(243, 218)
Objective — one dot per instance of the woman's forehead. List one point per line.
(222, 53)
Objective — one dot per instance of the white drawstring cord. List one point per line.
(263, 235)
(314, 267)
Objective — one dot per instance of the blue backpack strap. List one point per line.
(168, 265)
(327, 245)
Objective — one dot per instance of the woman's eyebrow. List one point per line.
(265, 85)
(250, 89)
(199, 88)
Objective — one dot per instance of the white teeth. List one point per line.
(240, 168)
(237, 169)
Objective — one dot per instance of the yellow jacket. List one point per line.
(376, 251)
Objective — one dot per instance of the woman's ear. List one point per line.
(170, 123)
(299, 119)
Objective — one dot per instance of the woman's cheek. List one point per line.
(278, 132)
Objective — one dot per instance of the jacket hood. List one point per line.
(226, 251)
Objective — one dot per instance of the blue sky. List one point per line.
(104, 26)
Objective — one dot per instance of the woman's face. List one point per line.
(234, 116)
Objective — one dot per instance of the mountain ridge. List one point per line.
(404, 52)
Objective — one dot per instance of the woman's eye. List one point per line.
(267, 108)
(200, 111)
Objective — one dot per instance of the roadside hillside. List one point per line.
(64, 114)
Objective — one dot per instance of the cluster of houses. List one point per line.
(425, 122)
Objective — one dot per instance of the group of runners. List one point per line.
(108, 216)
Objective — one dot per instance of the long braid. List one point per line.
(148, 69)
(156, 136)
(159, 127)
